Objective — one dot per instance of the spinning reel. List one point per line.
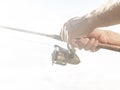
(63, 56)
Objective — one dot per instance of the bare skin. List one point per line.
(90, 41)
(81, 32)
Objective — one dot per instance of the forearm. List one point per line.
(106, 15)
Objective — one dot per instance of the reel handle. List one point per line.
(109, 47)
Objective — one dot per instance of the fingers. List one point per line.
(79, 42)
(95, 47)
(82, 42)
(87, 44)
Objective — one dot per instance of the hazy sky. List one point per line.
(25, 59)
(42, 14)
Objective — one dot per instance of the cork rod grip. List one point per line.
(109, 47)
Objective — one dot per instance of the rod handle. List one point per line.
(109, 47)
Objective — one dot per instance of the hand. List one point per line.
(75, 28)
(87, 43)
(90, 41)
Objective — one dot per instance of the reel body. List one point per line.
(63, 56)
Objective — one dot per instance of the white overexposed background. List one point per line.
(25, 59)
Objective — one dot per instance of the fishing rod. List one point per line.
(57, 37)
(61, 55)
